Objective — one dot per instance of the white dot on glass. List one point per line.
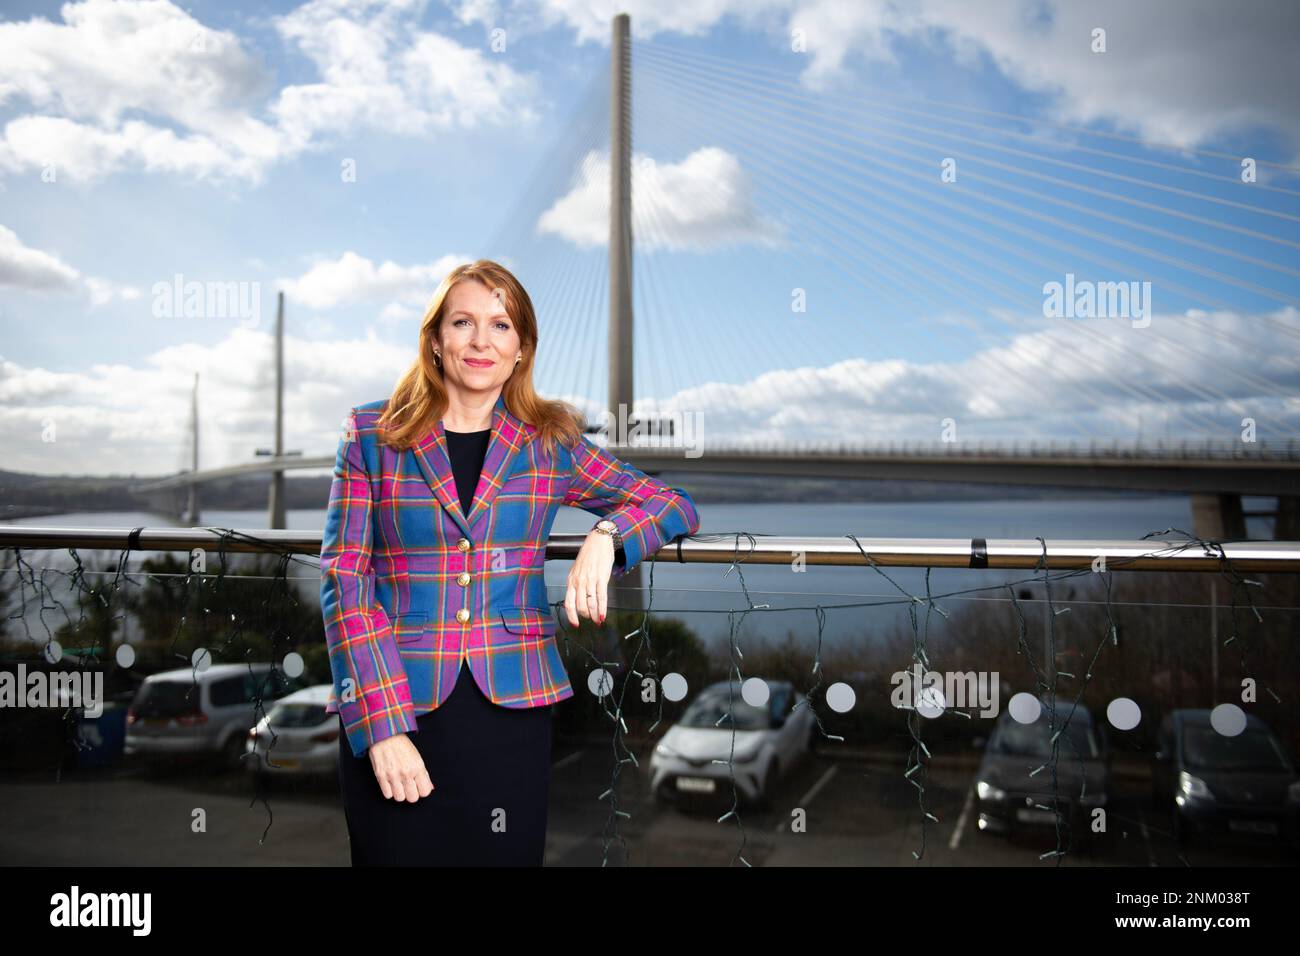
(1123, 713)
(125, 655)
(754, 691)
(674, 686)
(1228, 719)
(1024, 708)
(200, 660)
(840, 697)
(930, 702)
(293, 664)
(53, 652)
(600, 682)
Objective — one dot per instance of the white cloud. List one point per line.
(33, 270)
(26, 268)
(90, 76)
(395, 313)
(702, 203)
(102, 291)
(134, 419)
(378, 69)
(591, 19)
(142, 85)
(1052, 383)
(1178, 71)
(352, 278)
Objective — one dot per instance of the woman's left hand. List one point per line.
(589, 579)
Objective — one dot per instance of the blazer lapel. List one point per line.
(506, 440)
(435, 464)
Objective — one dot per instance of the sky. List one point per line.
(350, 154)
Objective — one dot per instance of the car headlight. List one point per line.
(986, 791)
(1193, 788)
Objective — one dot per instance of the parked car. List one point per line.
(769, 741)
(206, 713)
(296, 736)
(1011, 797)
(1245, 786)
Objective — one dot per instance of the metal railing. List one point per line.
(1152, 554)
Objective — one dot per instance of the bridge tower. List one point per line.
(275, 506)
(620, 255)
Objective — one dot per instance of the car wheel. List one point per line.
(232, 752)
(767, 796)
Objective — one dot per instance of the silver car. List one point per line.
(297, 736)
(205, 713)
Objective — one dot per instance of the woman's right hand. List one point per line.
(399, 769)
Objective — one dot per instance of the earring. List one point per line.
(519, 358)
(437, 358)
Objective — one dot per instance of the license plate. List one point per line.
(156, 721)
(696, 784)
(1035, 816)
(1252, 826)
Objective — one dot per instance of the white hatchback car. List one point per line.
(769, 740)
(296, 735)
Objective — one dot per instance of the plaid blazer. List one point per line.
(411, 587)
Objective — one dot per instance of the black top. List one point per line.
(467, 451)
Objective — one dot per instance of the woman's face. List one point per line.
(477, 339)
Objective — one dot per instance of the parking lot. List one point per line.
(859, 811)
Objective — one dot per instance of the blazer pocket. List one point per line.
(529, 484)
(527, 620)
(409, 627)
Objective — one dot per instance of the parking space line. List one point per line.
(955, 839)
(565, 761)
(1146, 842)
(807, 798)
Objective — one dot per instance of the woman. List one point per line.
(441, 640)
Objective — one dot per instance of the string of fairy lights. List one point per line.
(636, 648)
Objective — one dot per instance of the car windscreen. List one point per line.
(1204, 748)
(297, 715)
(1035, 740)
(166, 698)
(710, 710)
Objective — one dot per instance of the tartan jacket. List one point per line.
(399, 561)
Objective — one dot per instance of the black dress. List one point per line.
(490, 765)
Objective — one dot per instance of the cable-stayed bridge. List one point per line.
(902, 287)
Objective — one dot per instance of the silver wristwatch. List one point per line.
(605, 526)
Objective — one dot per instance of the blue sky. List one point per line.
(142, 140)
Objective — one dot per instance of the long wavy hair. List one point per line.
(420, 398)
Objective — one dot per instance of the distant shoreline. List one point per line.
(30, 496)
